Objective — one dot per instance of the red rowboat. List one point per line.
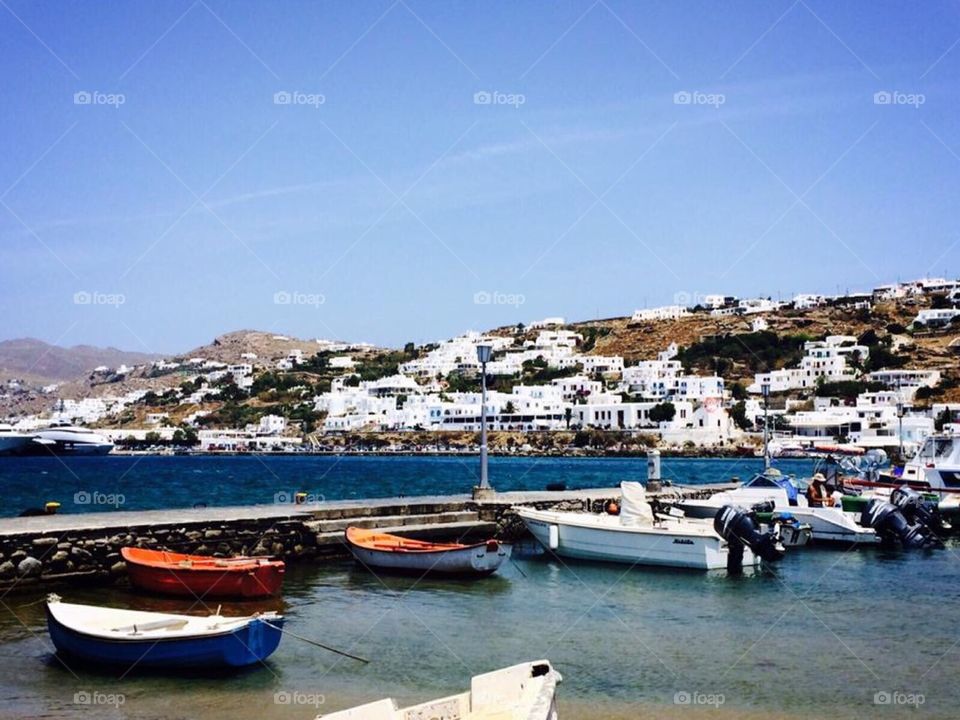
(204, 577)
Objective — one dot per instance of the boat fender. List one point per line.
(553, 537)
(740, 528)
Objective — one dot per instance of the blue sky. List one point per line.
(628, 152)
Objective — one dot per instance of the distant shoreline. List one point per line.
(580, 453)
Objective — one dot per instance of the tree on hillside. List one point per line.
(738, 413)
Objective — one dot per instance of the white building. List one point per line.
(825, 360)
(547, 322)
(807, 301)
(935, 317)
(906, 381)
(667, 312)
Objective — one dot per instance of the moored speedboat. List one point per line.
(521, 692)
(384, 551)
(636, 536)
(202, 576)
(132, 638)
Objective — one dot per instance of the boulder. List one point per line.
(29, 567)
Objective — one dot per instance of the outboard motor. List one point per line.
(891, 525)
(916, 509)
(740, 529)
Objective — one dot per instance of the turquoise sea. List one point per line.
(859, 634)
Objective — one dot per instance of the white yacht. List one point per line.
(69, 440)
(14, 442)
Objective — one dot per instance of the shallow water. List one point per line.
(818, 637)
(103, 484)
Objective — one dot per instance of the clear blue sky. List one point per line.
(399, 198)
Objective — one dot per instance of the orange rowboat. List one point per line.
(203, 577)
(382, 551)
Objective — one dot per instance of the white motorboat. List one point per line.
(69, 440)
(934, 469)
(827, 524)
(521, 692)
(14, 442)
(635, 536)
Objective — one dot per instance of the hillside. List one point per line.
(730, 346)
(37, 361)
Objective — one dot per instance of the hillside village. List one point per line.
(876, 369)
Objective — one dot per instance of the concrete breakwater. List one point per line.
(85, 548)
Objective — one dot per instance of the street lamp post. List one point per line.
(765, 390)
(483, 355)
(900, 422)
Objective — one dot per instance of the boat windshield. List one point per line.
(937, 448)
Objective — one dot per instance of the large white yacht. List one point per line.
(69, 440)
(14, 442)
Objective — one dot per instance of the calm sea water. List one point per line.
(824, 635)
(102, 484)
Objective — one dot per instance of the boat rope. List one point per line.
(314, 642)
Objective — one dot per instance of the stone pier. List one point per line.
(54, 550)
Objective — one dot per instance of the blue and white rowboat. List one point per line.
(160, 640)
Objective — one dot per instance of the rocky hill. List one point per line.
(37, 361)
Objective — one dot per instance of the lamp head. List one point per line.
(483, 353)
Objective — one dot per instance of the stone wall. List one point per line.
(94, 555)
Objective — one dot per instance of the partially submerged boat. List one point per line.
(383, 551)
(133, 638)
(521, 692)
(202, 576)
(637, 537)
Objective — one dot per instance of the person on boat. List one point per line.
(612, 508)
(818, 494)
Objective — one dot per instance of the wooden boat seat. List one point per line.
(171, 624)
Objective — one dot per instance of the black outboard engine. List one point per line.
(740, 529)
(891, 526)
(916, 509)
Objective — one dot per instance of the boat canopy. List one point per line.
(773, 478)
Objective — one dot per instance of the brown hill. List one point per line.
(37, 361)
